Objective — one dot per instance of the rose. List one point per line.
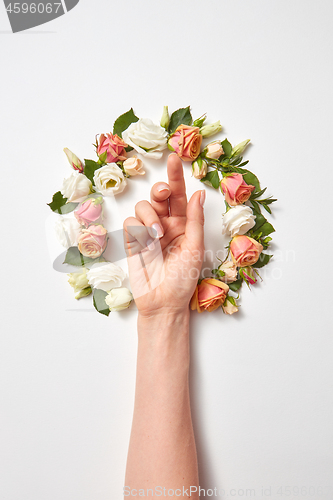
(109, 180)
(165, 119)
(209, 295)
(227, 272)
(90, 211)
(245, 251)
(247, 273)
(199, 168)
(74, 160)
(67, 231)
(186, 142)
(113, 146)
(76, 187)
(79, 282)
(214, 150)
(146, 138)
(229, 306)
(118, 299)
(106, 276)
(238, 220)
(238, 150)
(92, 241)
(133, 166)
(235, 189)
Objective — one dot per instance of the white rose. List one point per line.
(109, 180)
(230, 272)
(133, 166)
(67, 231)
(106, 276)
(119, 299)
(76, 187)
(238, 220)
(79, 282)
(146, 138)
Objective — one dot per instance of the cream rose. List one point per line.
(133, 166)
(109, 180)
(214, 150)
(76, 187)
(106, 276)
(146, 138)
(118, 299)
(228, 272)
(79, 282)
(67, 231)
(238, 220)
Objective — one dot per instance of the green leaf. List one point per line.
(260, 220)
(89, 169)
(267, 208)
(255, 206)
(124, 121)
(257, 194)
(99, 302)
(264, 258)
(227, 147)
(212, 179)
(265, 229)
(180, 117)
(75, 258)
(59, 204)
(236, 161)
(235, 285)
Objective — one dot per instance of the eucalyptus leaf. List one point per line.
(180, 117)
(124, 121)
(99, 302)
(264, 258)
(59, 204)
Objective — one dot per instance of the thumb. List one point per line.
(194, 229)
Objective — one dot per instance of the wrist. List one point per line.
(164, 319)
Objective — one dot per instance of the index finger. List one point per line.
(177, 199)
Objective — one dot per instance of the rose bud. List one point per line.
(92, 241)
(186, 142)
(209, 295)
(74, 161)
(90, 211)
(214, 150)
(79, 282)
(238, 150)
(165, 120)
(208, 130)
(229, 306)
(245, 251)
(227, 272)
(235, 189)
(118, 299)
(248, 274)
(199, 168)
(133, 166)
(114, 147)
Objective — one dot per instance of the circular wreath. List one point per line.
(217, 164)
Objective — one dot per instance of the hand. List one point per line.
(164, 243)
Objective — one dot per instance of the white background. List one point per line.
(261, 383)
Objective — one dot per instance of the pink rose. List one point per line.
(89, 211)
(209, 295)
(114, 146)
(92, 241)
(247, 273)
(186, 142)
(235, 189)
(245, 251)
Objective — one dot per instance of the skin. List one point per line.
(163, 276)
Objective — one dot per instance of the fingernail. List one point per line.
(158, 229)
(150, 245)
(202, 198)
(162, 187)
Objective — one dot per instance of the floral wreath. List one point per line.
(218, 164)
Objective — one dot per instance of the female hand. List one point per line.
(164, 243)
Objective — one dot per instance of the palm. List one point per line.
(165, 275)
